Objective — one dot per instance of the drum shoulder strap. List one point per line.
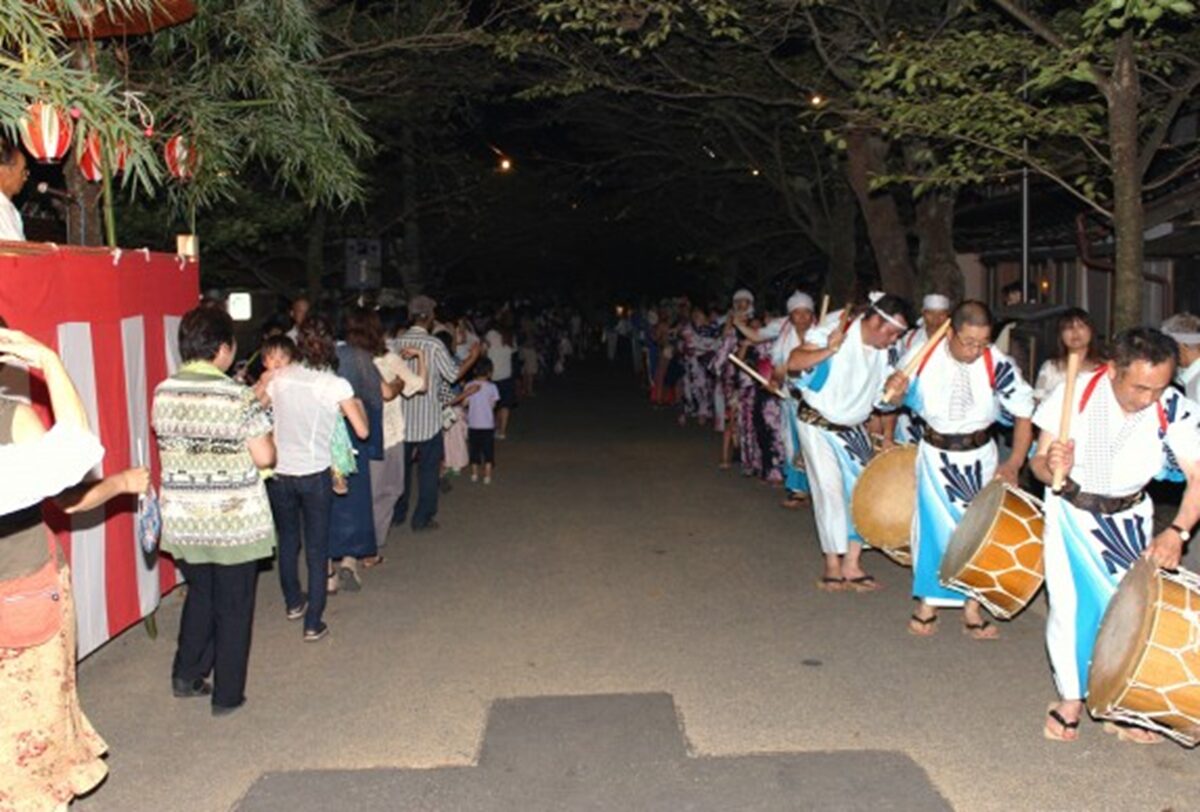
(928, 355)
(990, 363)
(1092, 383)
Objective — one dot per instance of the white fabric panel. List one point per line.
(133, 349)
(87, 533)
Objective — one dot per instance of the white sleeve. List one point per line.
(1015, 395)
(771, 329)
(33, 471)
(336, 390)
(1049, 412)
(1183, 435)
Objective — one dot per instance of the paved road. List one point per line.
(612, 558)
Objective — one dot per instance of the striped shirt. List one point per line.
(423, 411)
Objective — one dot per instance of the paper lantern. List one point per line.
(46, 132)
(89, 158)
(105, 19)
(181, 158)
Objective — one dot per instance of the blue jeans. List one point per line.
(301, 507)
(428, 454)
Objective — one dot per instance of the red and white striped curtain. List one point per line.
(113, 316)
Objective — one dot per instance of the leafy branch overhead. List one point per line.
(239, 82)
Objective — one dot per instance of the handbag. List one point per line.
(31, 606)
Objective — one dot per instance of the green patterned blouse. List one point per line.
(214, 504)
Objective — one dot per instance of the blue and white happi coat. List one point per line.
(843, 389)
(947, 481)
(1087, 553)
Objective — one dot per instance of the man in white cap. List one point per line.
(935, 310)
(845, 365)
(786, 334)
(1185, 329)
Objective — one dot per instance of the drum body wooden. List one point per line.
(1145, 667)
(884, 499)
(995, 553)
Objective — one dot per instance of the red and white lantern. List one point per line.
(89, 159)
(181, 158)
(46, 132)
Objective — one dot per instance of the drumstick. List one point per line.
(1064, 424)
(763, 382)
(824, 308)
(915, 362)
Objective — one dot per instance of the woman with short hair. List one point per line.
(213, 438)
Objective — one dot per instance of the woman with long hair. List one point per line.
(309, 401)
(352, 526)
(1076, 336)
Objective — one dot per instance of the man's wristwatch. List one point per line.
(1185, 535)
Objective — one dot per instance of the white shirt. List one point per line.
(38, 469)
(931, 393)
(392, 366)
(1189, 378)
(500, 355)
(12, 227)
(1117, 455)
(845, 387)
(307, 405)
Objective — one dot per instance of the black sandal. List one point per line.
(923, 622)
(830, 584)
(974, 630)
(1060, 720)
(863, 583)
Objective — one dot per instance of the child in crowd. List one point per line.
(277, 352)
(481, 397)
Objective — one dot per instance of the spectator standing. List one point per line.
(387, 475)
(481, 397)
(308, 401)
(14, 171)
(213, 437)
(500, 351)
(352, 524)
(423, 441)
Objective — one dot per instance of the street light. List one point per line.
(506, 164)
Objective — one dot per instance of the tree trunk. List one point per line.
(314, 255)
(842, 245)
(1124, 96)
(410, 250)
(937, 261)
(83, 210)
(865, 154)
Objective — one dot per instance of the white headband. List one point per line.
(1186, 339)
(935, 301)
(890, 319)
(800, 301)
(743, 294)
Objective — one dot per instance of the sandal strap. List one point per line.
(1058, 717)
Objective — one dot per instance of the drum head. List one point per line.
(885, 496)
(974, 528)
(1124, 633)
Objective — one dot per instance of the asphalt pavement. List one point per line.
(612, 624)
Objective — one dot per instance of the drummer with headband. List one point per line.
(1185, 329)
(845, 364)
(1126, 425)
(961, 389)
(935, 309)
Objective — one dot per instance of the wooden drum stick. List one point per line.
(915, 362)
(1064, 424)
(824, 308)
(753, 373)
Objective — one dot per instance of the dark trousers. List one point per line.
(428, 455)
(301, 506)
(214, 632)
(481, 446)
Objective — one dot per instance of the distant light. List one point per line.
(240, 306)
(754, 172)
(708, 151)
(1045, 284)
(506, 164)
(817, 100)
